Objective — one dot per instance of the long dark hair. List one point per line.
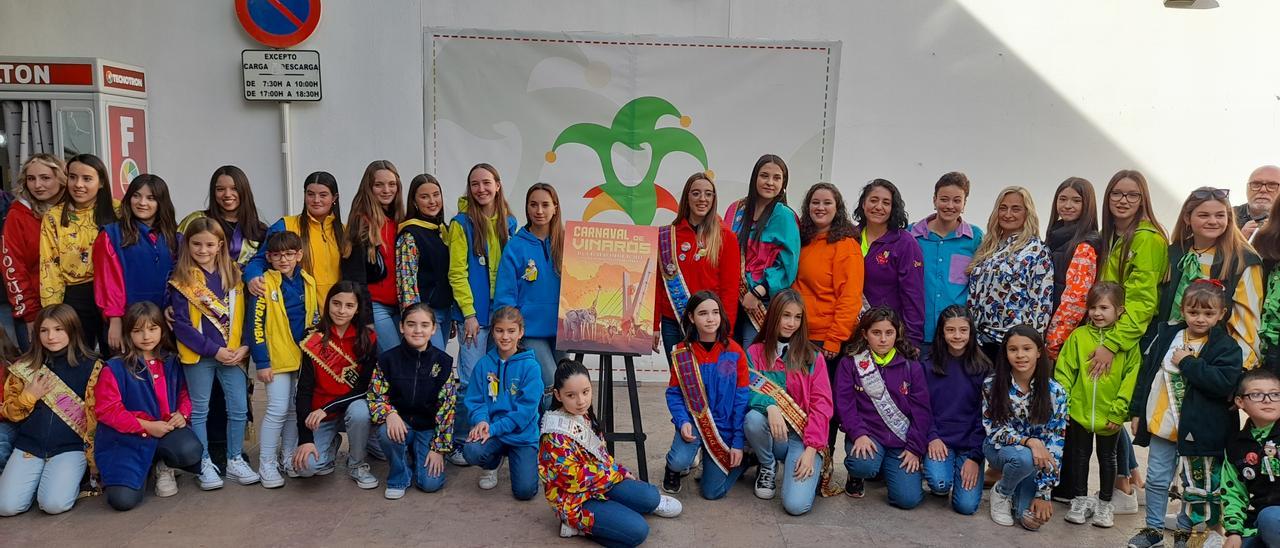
(841, 225)
(247, 214)
(1087, 224)
(364, 227)
(1041, 407)
(897, 216)
(104, 212)
(555, 230)
(749, 229)
(686, 321)
(1267, 240)
(975, 362)
(163, 222)
(63, 315)
(324, 179)
(883, 314)
(364, 339)
(801, 356)
(139, 315)
(411, 210)
(566, 369)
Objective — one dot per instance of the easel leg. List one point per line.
(636, 428)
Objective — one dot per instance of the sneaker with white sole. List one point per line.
(391, 493)
(668, 507)
(1001, 508)
(1147, 537)
(210, 478)
(269, 471)
(1082, 509)
(456, 458)
(363, 478)
(766, 486)
(239, 470)
(1126, 504)
(1104, 514)
(489, 479)
(567, 531)
(1214, 539)
(286, 467)
(166, 483)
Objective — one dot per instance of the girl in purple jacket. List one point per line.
(955, 370)
(883, 404)
(893, 265)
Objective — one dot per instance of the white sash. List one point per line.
(576, 428)
(873, 386)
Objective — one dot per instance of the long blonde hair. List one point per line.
(708, 231)
(59, 172)
(1231, 247)
(993, 238)
(480, 228)
(188, 273)
(364, 226)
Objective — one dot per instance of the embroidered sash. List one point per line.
(217, 310)
(559, 422)
(695, 398)
(64, 401)
(873, 386)
(756, 316)
(677, 289)
(332, 359)
(791, 411)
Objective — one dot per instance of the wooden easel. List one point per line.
(604, 406)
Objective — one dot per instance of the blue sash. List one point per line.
(677, 290)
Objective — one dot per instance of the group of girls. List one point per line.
(782, 328)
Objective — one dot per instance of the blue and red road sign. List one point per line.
(278, 23)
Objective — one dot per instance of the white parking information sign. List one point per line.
(281, 75)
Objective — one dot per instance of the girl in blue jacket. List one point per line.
(529, 277)
(502, 399)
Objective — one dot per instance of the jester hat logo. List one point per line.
(634, 126)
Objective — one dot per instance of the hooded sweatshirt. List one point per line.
(527, 278)
(506, 394)
(1094, 403)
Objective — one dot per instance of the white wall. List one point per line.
(1012, 92)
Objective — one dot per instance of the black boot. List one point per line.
(671, 481)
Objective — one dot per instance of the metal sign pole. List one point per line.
(286, 149)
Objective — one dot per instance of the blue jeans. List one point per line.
(744, 331)
(1268, 529)
(53, 482)
(444, 321)
(1019, 480)
(468, 356)
(943, 477)
(671, 334)
(1162, 462)
(546, 354)
(797, 495)
(620, 516)
(280, 421)
(8, 432)
(386, 323)
(904, 488)
(200, 376)
(524, 463)
(355, 421)
(410, 466)
(715, 482)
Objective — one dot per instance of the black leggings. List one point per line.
(178, 449)
(1078, 450)
(80, 298)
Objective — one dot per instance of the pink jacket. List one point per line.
(811, 390)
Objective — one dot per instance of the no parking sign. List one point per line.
(278, 23)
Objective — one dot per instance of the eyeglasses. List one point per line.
(1133, 197)
(1206, 194)
(1259, 397)
(1271, 186)
(287, 255)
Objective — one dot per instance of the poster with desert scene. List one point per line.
(607, 288)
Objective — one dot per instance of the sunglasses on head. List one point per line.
(1214, 193)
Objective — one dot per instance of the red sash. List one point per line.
(695, 398)
(331, 359)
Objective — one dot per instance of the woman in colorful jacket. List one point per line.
(696, 252)
(1073, 244)
(893, 264)
(947, 245)
(769, 240)
(231, 203)
(44, 180)
(1011, 277)
(422, 255)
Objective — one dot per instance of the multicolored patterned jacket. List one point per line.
(1011, 287)
(1019, 428)
(571, 476)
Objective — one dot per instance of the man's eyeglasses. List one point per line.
(1271, 186)
(1259, 397)
(1206, 194)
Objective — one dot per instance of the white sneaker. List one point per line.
(1081, 509)
(566, 531)
(1125, 503)
(239, 470)
(1104, 514)
(1214, 540)
(668, 507)
(166, 483)
(456, 458)
(286, 467)
(363, 478)
(489, 479)
(269, 471)
(766, 487)
(1001, 508)
(210, 478)
(392, 493)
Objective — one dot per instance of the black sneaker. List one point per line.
(671, 481)
(1147, 537)
(854, 487)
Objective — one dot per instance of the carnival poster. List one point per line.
(607, 288)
